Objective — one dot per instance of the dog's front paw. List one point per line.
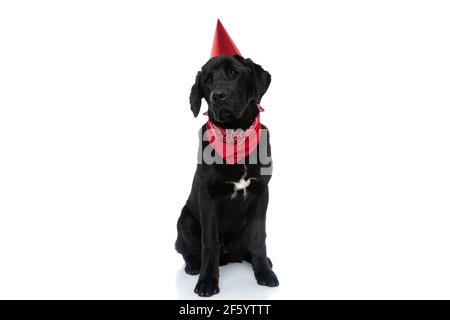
(192, 269)
(267, 278)
(193, 265)
(207, 287)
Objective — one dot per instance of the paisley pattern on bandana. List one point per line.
(233, 145)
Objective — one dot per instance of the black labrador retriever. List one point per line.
(221, 222)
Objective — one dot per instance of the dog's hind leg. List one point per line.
(248, 258)
(188, 241)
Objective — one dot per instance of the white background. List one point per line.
(98, 146)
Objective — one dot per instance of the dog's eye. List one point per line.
(208, 80)
(232, 73)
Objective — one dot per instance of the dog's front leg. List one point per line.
(262, 266)
(208, 282)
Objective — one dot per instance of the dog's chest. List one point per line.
(240, 183)
(241, 186)
(235, 183)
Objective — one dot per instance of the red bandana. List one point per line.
(233, 145)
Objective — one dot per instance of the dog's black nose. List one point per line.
(218, 95)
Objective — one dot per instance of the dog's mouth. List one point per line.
(224, 115)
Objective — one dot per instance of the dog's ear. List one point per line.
(260, 79)
(196, 95)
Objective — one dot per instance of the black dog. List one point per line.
(221, 223)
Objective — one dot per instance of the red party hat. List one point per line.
(223, 44)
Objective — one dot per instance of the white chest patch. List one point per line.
(241, 185)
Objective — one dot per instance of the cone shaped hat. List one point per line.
(222, 43)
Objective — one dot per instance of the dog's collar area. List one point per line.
(233, 145)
